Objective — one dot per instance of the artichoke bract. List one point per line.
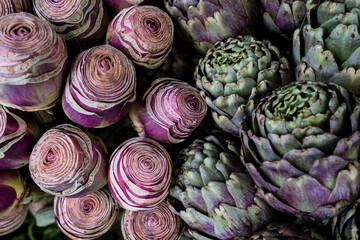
(139, 174)
(69, 162)
(157, 223)
(168, 111)
(12, 189)
(288, 231)
(206, 22)
(13, 220)
(144, 33)
(33, 63)
(346, 226)
(235, 73)
(213, 193)
(301, 147)
(80, 22)
(14, 6)
(101, 87)
(18, 135)
(283, 17)
(88, 217)
(327, 48)
(119, 5)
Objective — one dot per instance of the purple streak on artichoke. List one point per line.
(119, 5)
(88, 217)
(18, 135)
(13, 220)
(168, 111)
(14, 6)
(206, 22)
(213, 194)
(301, 147)
(144, 33)
(81, 22)
(288, 231)
(69, 162)
(33, 63)
(157, 223)
(346, 225)
(12, 189)
(101, 87)
(139, 174)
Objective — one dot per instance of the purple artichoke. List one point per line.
(101, 87)
(144, 33)
(87, 217)
(69, 162)
(14, 6)
(157, 223)
(168, 111)
(119, 5)
(346, 225)
(33, 63)
(81, 22)
(301, 147)
(18, 135)
(13, 220)
(139, 174)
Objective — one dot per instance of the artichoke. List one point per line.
(346, 225)
(291, 231)
(139, 174)
(33, 63)
(13, 220)
(14, 6)
(206, 22)
(213, 193)
(157, 223)
(301, 146)
(88, 217)
(119, 5)
(69, 162)
(283, 17)
(101, 87)
(233, 74)
(18, 135)
(327, 48)
(81, 22)
(144, 33)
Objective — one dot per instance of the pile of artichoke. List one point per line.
(179, 120)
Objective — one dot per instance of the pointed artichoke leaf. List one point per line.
(304, 73)
(216, 193)
(209, 172)
(327, 10)
(229, 104)
(348, 78)
(299, 11)
(243, 111)
(271, 6)
(210, 149)
(296, 51)
(265, 58)
(259, 214)
(354, 118)
(337, 121)
(349, 148)
(196, 235)
(312, 37)
(241, 188)
(242, 87)
(283, 143)
(228, 163)
(301, 133)
(270, 24)
(198, 221)
(192, 198)
(326, 142)
(225, 123)
(352, 60)
(191, 177)
(285, 18)
(303, 159)
(215, 88)
(270, 73)
(264, 148)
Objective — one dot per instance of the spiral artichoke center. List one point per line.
(153, 220)
(22, 31)
(191, 102)
(153, 25)
(105, 65)
(50, 157)
(87, 206)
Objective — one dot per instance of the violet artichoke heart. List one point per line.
(301, 146)
(33, 63)
(14, 6)
(100, 88)
(69, 162)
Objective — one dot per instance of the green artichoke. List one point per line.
(346, 226)
(327, 47)
(233, 74)
(214, 195)
(301, 146)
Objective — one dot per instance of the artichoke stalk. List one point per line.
(168, 111)
(33, 63)
(69, 162)
(301, 147)
(234, 74)
(214, 195)
(14, 6)
(157, 223)
(144, 33)
(88, 217)
(139, 174)
(101, 87)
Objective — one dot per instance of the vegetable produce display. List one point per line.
(179, 119)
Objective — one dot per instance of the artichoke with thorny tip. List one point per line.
(168, 111)
(234, 74)
(346, 225)
(101, 87)
(18, 135)
(206, 22)
(158, 223)
(301, 146)
(214, 195)
(33, 63)
(139, 174)
(88, 217)
(80, 22)
(327, 47)
(144, 33)
(14, 6)
(69, 162)
(13, 220)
